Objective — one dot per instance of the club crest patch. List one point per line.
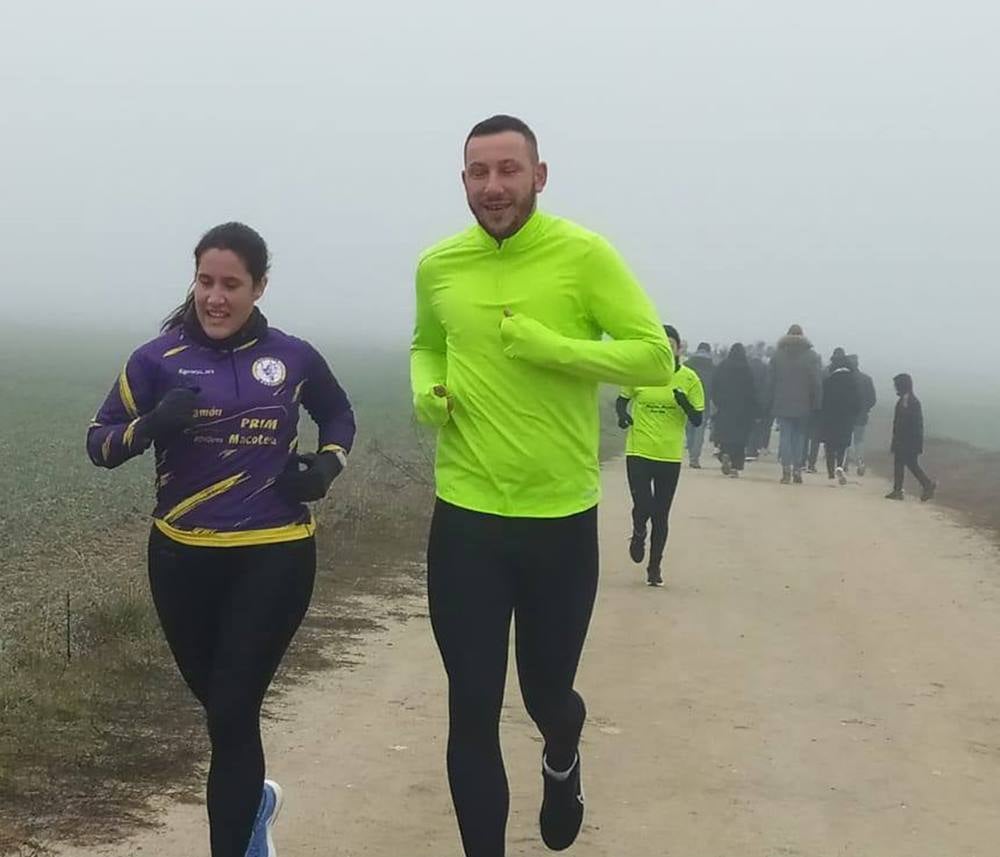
(270, 371)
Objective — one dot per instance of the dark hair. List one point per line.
(237, 238)
(737, 353)
(498, 125)
(840, 360)
(671, 332)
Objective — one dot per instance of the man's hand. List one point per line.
(434, 407)
(524, 338)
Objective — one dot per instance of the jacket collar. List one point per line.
(520, 240)
(254, 329)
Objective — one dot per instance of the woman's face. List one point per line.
(224, 293)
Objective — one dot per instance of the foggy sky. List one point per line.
(757, 164)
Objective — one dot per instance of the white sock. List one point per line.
(559, 776)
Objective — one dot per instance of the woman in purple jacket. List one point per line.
(232, 556)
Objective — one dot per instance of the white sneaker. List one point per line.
(841, 476)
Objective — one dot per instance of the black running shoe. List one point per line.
(894, 495)
(562, 808)
(637, 547)
(928, 492)
(653, 576)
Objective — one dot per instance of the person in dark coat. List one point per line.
(839, 412)
(759, 436)
(866, 389)
(815, 430)
(908, 440)
(737, 406)
(794, 394)
(702, 364)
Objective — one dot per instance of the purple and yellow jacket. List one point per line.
(214, 481)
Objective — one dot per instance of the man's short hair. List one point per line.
(498, 125)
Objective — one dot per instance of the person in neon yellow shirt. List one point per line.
(653, 450)
(508, 351)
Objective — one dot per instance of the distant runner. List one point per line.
(654, 450)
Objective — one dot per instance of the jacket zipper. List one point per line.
(236, 376)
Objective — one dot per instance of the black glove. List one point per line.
(298, 485)
(685, 404)
(621, 408)
(172, 414)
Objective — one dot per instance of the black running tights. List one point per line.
(228, 615)
(653, 485)
(482, 570)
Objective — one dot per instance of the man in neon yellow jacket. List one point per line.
(508, 351)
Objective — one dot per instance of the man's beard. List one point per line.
(523, 210)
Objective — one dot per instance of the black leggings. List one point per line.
(737, 453)
(481, 571)
(904, 461)
(653, 485)
(228, 615)
(836, 456)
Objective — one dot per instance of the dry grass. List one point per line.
(968, 478)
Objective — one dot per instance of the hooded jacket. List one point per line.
(841, 405)
(866, 391)
(702, 364)
(736, 399)
(795, 389)
(908, 422)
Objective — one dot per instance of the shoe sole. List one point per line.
(279, 799)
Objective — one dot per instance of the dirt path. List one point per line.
(818, 679)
